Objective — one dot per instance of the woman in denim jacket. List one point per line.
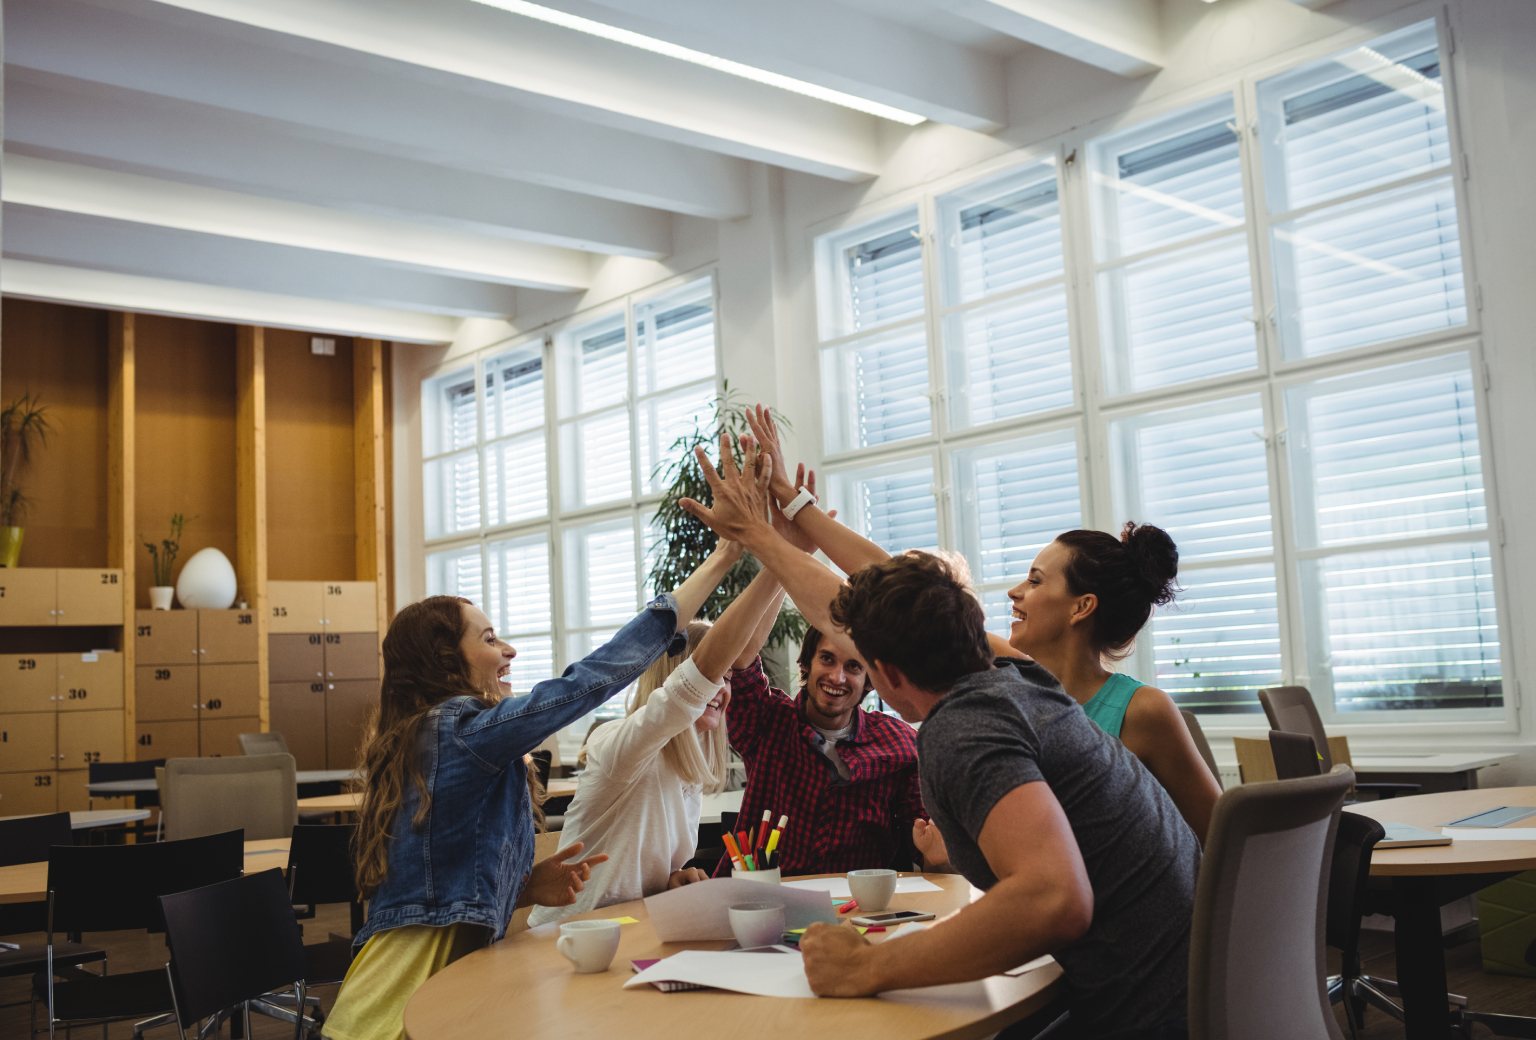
(445, 835)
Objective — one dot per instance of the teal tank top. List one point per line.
(1107, 707)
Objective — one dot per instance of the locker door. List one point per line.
(165, 637)
(28, 794)
(90, 682)
(28, 596)
(167, 740)
(298, 713)
(348, 706)
(164, 692)
(221, 736)
(28, 743)
(351, 606)
(28, 682)
(295, 606)
(295, 657)
(90, 597)
(90, 736)
(351, 655)
(229, 689)
(225, 636)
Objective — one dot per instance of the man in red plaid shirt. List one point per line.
(846, 778)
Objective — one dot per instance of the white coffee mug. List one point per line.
(757, 924)
(590, 945)
(872, 889)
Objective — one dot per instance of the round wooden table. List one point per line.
(522, 987)
(1425, 879)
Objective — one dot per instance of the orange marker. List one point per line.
(735, 853)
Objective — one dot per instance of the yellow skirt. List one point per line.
(388, 971)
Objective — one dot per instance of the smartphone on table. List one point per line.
(894, 917)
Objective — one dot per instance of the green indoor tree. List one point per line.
(684, 541)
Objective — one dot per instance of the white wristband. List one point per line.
(799, 502)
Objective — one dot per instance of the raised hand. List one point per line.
(740, 508)
(554, 882)
(787, 528)
(760, 419)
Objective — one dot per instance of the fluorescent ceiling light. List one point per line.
(734, 68)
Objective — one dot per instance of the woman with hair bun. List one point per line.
(1087, 596)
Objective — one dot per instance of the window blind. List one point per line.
(1412, 628)
(514, 392)
(885, 278)
(451, 494)
(518, 599)
(1202, 476)
(600, 575)
(893, 505)
(1218, 643)
(1377, 269)
(1388, 457)
(1010, 359)
(1012, 500)
(876, 390)
(1009, 241)
(604, 370)
(666, 418)
(594, 459)
(1359, 119)
(675, 345)
(516, 482)
(457, 572)
(535, 662)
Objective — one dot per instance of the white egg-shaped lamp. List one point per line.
(207, 581)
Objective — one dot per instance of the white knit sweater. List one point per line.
(632, 804)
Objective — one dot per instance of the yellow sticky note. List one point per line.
(625, 920)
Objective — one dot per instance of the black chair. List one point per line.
(1295, 755)
(1349, 881)
(28, 840)
(320, 871)
(231, 943)
(110, 888)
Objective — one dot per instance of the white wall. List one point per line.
(763, 262)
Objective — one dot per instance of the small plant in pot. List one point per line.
(23, 426)
(161, 557)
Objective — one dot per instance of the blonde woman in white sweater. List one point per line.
(646, 774)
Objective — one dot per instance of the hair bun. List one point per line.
(1156, 559)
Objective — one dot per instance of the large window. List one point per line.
(541, 465)
(1244, 320)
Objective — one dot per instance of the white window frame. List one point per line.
(1094, 410)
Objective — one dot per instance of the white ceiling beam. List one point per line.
(523, 61)
(1120, 36)
(68, 119)
(375, 109)
(71, 188)
(826, 44)
(102, 244)
(35, 281)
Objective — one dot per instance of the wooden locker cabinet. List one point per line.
(348, 706)
(89, 736)
(218, 737)
(90, 682)
(28, 743)
(165, 692)
(229, 690)
(351, 606)
(176, 739)
(295, 657)
(29, 793)
(298, 713)
(89, 597)
(165, 637)
(226, 636)
(28, 682)
(71, 786)
(28, 596)
(351, 655)
(295, 606)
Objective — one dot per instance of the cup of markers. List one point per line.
(753, 856)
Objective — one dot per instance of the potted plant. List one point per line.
(685, 541)
(23, 426)
(161, 557)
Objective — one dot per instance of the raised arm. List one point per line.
(748, 614)
(696, 588)
(754, 644)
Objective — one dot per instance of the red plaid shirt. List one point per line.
(834, 825)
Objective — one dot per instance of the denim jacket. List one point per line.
(471, 856)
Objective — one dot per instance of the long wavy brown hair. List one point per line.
(423, 666)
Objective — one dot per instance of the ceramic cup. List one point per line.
(590, 945)
(770, 877)
(872, 888)
(757, 924)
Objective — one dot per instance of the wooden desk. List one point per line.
(28, 882)
(95, 817)
(522, 987)
(1425, 879)
(347, 801)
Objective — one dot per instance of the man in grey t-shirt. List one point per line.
(1081, 853)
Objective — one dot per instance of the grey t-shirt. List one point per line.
(998, 730)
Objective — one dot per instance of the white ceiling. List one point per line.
(415, 161)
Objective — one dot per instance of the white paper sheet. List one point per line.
(837, 887)
(1038, 962)
(1490, 833)
(699, 910)
(761, 974)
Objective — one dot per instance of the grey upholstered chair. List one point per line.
(272, 743)
(1256, 964)
(258, 793)
(1201, 744)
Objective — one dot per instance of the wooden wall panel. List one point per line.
(368, 435)
(387, 590)
(184, 448)
(251, 488)
(122, 538)
(60, 353)
(311, 507)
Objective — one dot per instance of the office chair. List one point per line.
(272, 743)
(258, 793)
(1292, 710)
(1201, 744)
(1256, 938)
(231, 943)
(1295, 755)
